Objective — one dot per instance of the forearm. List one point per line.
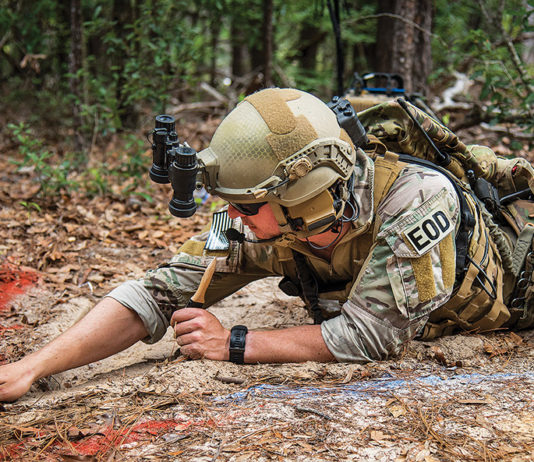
(107, 329)
(295, 344)
(200, 335)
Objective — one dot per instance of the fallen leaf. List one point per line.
(397, 410)
(439, 356)
(515, 338)
(493, 351)
(377, 435)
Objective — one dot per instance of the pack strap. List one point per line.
(309, 287)
(521, 249)
(477, 304)
(387, 170)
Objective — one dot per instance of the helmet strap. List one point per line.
(280, 216)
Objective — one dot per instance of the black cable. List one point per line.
(309, 286)
(333, 10)
(442, 159)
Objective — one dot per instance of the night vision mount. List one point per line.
(176, 163)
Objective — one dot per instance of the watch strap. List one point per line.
(238, 336)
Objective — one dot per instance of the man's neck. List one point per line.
(327, 241)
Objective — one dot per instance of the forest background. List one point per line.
(81, 82)
(76, 74)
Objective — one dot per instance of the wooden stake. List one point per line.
(198, 298)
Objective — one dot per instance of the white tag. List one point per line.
(428, 231)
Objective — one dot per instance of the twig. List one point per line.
(236, 380)
(197, 107)
(313, 411)
(218, 451)
(217, 95)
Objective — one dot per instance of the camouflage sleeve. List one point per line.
(409, 272)
(170, 286)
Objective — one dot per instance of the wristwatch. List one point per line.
(238, 335)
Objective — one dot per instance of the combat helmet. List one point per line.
(285, 147)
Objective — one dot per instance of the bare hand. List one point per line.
(15, 380)
(200, 334)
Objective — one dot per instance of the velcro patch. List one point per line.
(416, 232)
(216, 238)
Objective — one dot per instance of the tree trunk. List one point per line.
(267, 43)
(382, 57)
(123, 15)
(335, 18)
(422, 63)
(63, 36)
(403, 41)
(215, 29)
(238, 48)
(310, 37)
(528, 53)
(75, 65)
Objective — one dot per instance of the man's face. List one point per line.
(263, 224)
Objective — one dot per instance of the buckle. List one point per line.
(286, 239)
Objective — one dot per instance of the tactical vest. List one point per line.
(497, 256)
(302, 281)
(477, 302)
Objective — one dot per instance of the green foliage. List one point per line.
(357, 31)
(485, 40)
(52, 178)
(70, 174)
(143, 59)
(141, 56)
(133, 168)
(30, 206)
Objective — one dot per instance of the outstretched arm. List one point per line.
(107, 329)
(201, 335)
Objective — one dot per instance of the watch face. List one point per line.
(239, 339)
(238, 336)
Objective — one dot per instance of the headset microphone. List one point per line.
(233, 234)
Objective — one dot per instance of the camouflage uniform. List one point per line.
(393, 275)
(393, 267)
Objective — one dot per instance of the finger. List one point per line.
(187, 339)
(184, 314)
(186, 327)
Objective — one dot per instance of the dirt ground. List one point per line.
(467, 397)
(462, 398)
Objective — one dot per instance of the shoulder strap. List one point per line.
(387, 169)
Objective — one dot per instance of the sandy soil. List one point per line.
(467, 397)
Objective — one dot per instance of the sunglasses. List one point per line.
(248, 209)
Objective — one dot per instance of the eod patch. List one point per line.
(427, 232)
(416, 232)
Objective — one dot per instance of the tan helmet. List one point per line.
(283, 146)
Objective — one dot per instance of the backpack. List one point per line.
(494, 243)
